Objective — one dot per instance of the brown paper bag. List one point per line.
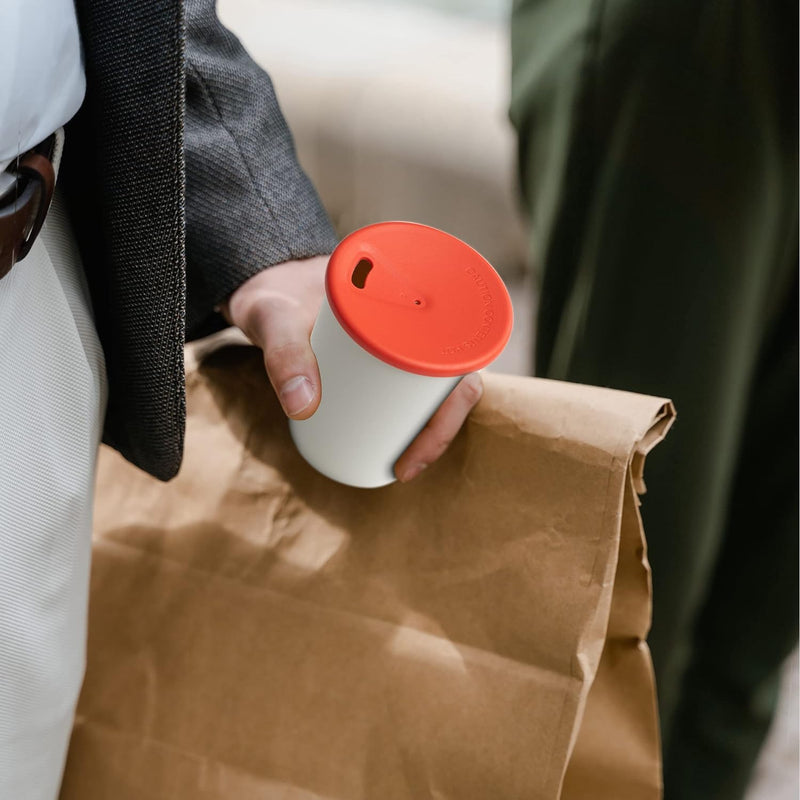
(258, 631)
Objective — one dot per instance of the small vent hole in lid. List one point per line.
(359, 276)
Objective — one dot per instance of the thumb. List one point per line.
(283, 334)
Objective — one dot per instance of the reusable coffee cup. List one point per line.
(408, 311)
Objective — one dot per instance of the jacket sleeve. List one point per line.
(249, 205)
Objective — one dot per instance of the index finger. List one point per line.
(441, 429)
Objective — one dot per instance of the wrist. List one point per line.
(296, 285)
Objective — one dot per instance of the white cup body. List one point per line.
(369, 413)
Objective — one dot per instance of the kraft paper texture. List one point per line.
(258, 632)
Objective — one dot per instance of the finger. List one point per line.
(283, 334)
(436, 436)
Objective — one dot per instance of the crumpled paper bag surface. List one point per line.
(258, 631)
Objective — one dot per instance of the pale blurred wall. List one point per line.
(399, 110)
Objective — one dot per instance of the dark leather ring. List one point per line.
(22, 217)
(39, 170)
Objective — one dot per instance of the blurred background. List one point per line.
(399, 110)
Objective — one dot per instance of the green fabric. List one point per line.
(658, 161)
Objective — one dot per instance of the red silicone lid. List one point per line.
(419, 299)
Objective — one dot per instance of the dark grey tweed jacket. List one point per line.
(182, 180)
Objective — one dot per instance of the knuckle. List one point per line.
(472, 388)
(285, 352)
(287, 357)
(440, 441)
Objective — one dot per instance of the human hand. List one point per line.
(276, 309)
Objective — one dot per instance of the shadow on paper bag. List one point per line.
(258, 631)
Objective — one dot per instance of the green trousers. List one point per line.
(658, 161)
